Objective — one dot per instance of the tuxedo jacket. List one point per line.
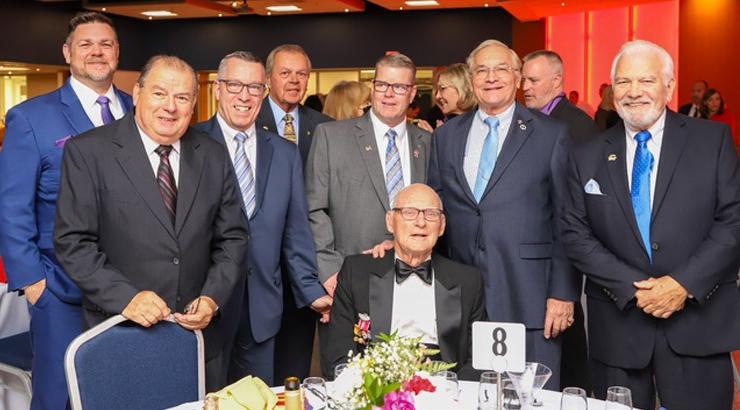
(365, 285)
(345, 186)
(114, 237)
(308, 120)
(694, 234)
(512, 235)
(30, 159)
(278, 229)
(581, 127)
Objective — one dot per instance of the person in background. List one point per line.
(695, 107)
(347, 99)
(454, 94)
(606, 116)
(315, 102)
(714, 109)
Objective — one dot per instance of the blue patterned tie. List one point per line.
(105, 112)
(393, 171)
(487, 158)
(640, 192)
(244, 174)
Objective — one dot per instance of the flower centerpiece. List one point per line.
(392, 373)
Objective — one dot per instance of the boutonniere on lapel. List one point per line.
(416, 152)
(362, 329)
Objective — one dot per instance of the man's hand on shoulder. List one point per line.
(146, 308)
(198, 313)
(380, 249)
(33, 292)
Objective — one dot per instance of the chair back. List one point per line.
(121, 365)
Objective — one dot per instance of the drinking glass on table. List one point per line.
(338, 369)
(314, 392)
(573, 398)
(451, 386)
(618, 398)
(487, 391)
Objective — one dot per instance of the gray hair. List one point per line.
(287, 48)
(171, 62)
(396, 60)
(494, 43)
(245, 56)
(644, 47)
(556, 62)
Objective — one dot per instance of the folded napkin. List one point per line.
(249, 393)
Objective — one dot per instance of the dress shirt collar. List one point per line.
(150, 145)
(550, 106)
(229, 132)
(279, 114)
(88, 97)
(656, 130)
(381, 128)
(504, 119)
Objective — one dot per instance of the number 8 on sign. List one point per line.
(499, 346)
(499, 339)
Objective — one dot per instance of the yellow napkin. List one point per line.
(249, 393)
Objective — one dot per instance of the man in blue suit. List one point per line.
(269, 173)
(29, 180)
(499, 170)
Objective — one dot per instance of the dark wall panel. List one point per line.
(430, 38)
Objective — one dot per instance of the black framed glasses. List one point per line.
(410, 213)
(398, 88)
(253, 89)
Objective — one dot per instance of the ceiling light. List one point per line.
(159, 13)
(150, 17)
(104, 9)
(485, 5)
(220, 14)
(346, 10)
(38, 69)
(269, 13)
(421, 3)
(11, 68)
(289, 7)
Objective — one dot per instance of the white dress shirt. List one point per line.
(654, 144)
(402, 144)
(250, 143)
(88, 98)
(414, 311)
(476, 137)
(150, 146)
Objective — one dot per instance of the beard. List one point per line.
(638, 119)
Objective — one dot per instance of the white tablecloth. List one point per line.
(468, 399)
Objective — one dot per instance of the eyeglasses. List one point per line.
(398, 88)
(410, 214)
(236, 87)
(499, 71)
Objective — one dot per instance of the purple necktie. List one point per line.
(105, 113)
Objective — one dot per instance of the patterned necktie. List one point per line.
(166, 181)
(640, 191)
(105, 113)
(487, 158)
(289, 130)
(393, 170)
(244, 174)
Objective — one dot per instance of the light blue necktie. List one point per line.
(393, 171)
(640, 192)
(487, 158)
(244, 174)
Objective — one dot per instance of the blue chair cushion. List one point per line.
(16, 351)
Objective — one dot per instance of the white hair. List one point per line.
(644, 47)
(494, 43)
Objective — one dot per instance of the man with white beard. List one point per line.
(653, 220)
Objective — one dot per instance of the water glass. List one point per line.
(451, 386)
(618, 398)
(573, 398)
(338, 369)
(487, 391)
(314, 392)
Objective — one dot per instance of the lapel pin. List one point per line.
(612, 157)
(308, 132)
(519, 121)
(368, 148)
(266, 128)
(416, 153)
(522, 127)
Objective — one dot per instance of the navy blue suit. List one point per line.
(279, 230)
(695, 239)
(512, 234)
(29, 180)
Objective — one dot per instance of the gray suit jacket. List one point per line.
(345, 187)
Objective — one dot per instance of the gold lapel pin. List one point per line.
(612, 157)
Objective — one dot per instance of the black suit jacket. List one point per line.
(365, 285)
(309, 119)
(114, 237)
(695, 235)
(685, 109)
(581, 127)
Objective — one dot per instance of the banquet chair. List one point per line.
(121, 365)
(15, 365)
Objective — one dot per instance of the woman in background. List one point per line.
(454, 95)
(715, 110)
(347, 99)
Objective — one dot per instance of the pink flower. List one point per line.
(418, 384)
(398, 400)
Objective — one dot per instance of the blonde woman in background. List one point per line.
(454, 94)
(347, 99)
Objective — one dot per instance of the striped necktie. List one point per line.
(166, 181)
(487, 158)
(640, 190)
(393, 170)
(244, 174)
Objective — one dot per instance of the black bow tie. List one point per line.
(423, 271)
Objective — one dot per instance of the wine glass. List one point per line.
(338, 369)
(451, 386)
(314, 392)
(487, 391)
(573, 398)
(530, 381)
(618, 398)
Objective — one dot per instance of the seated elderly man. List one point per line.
(410, 290)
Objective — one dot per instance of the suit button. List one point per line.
(249, 272)
(175, 261)
(179, 299)
(654, 246)
(482, 247)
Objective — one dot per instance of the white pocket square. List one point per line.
(592, 188)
